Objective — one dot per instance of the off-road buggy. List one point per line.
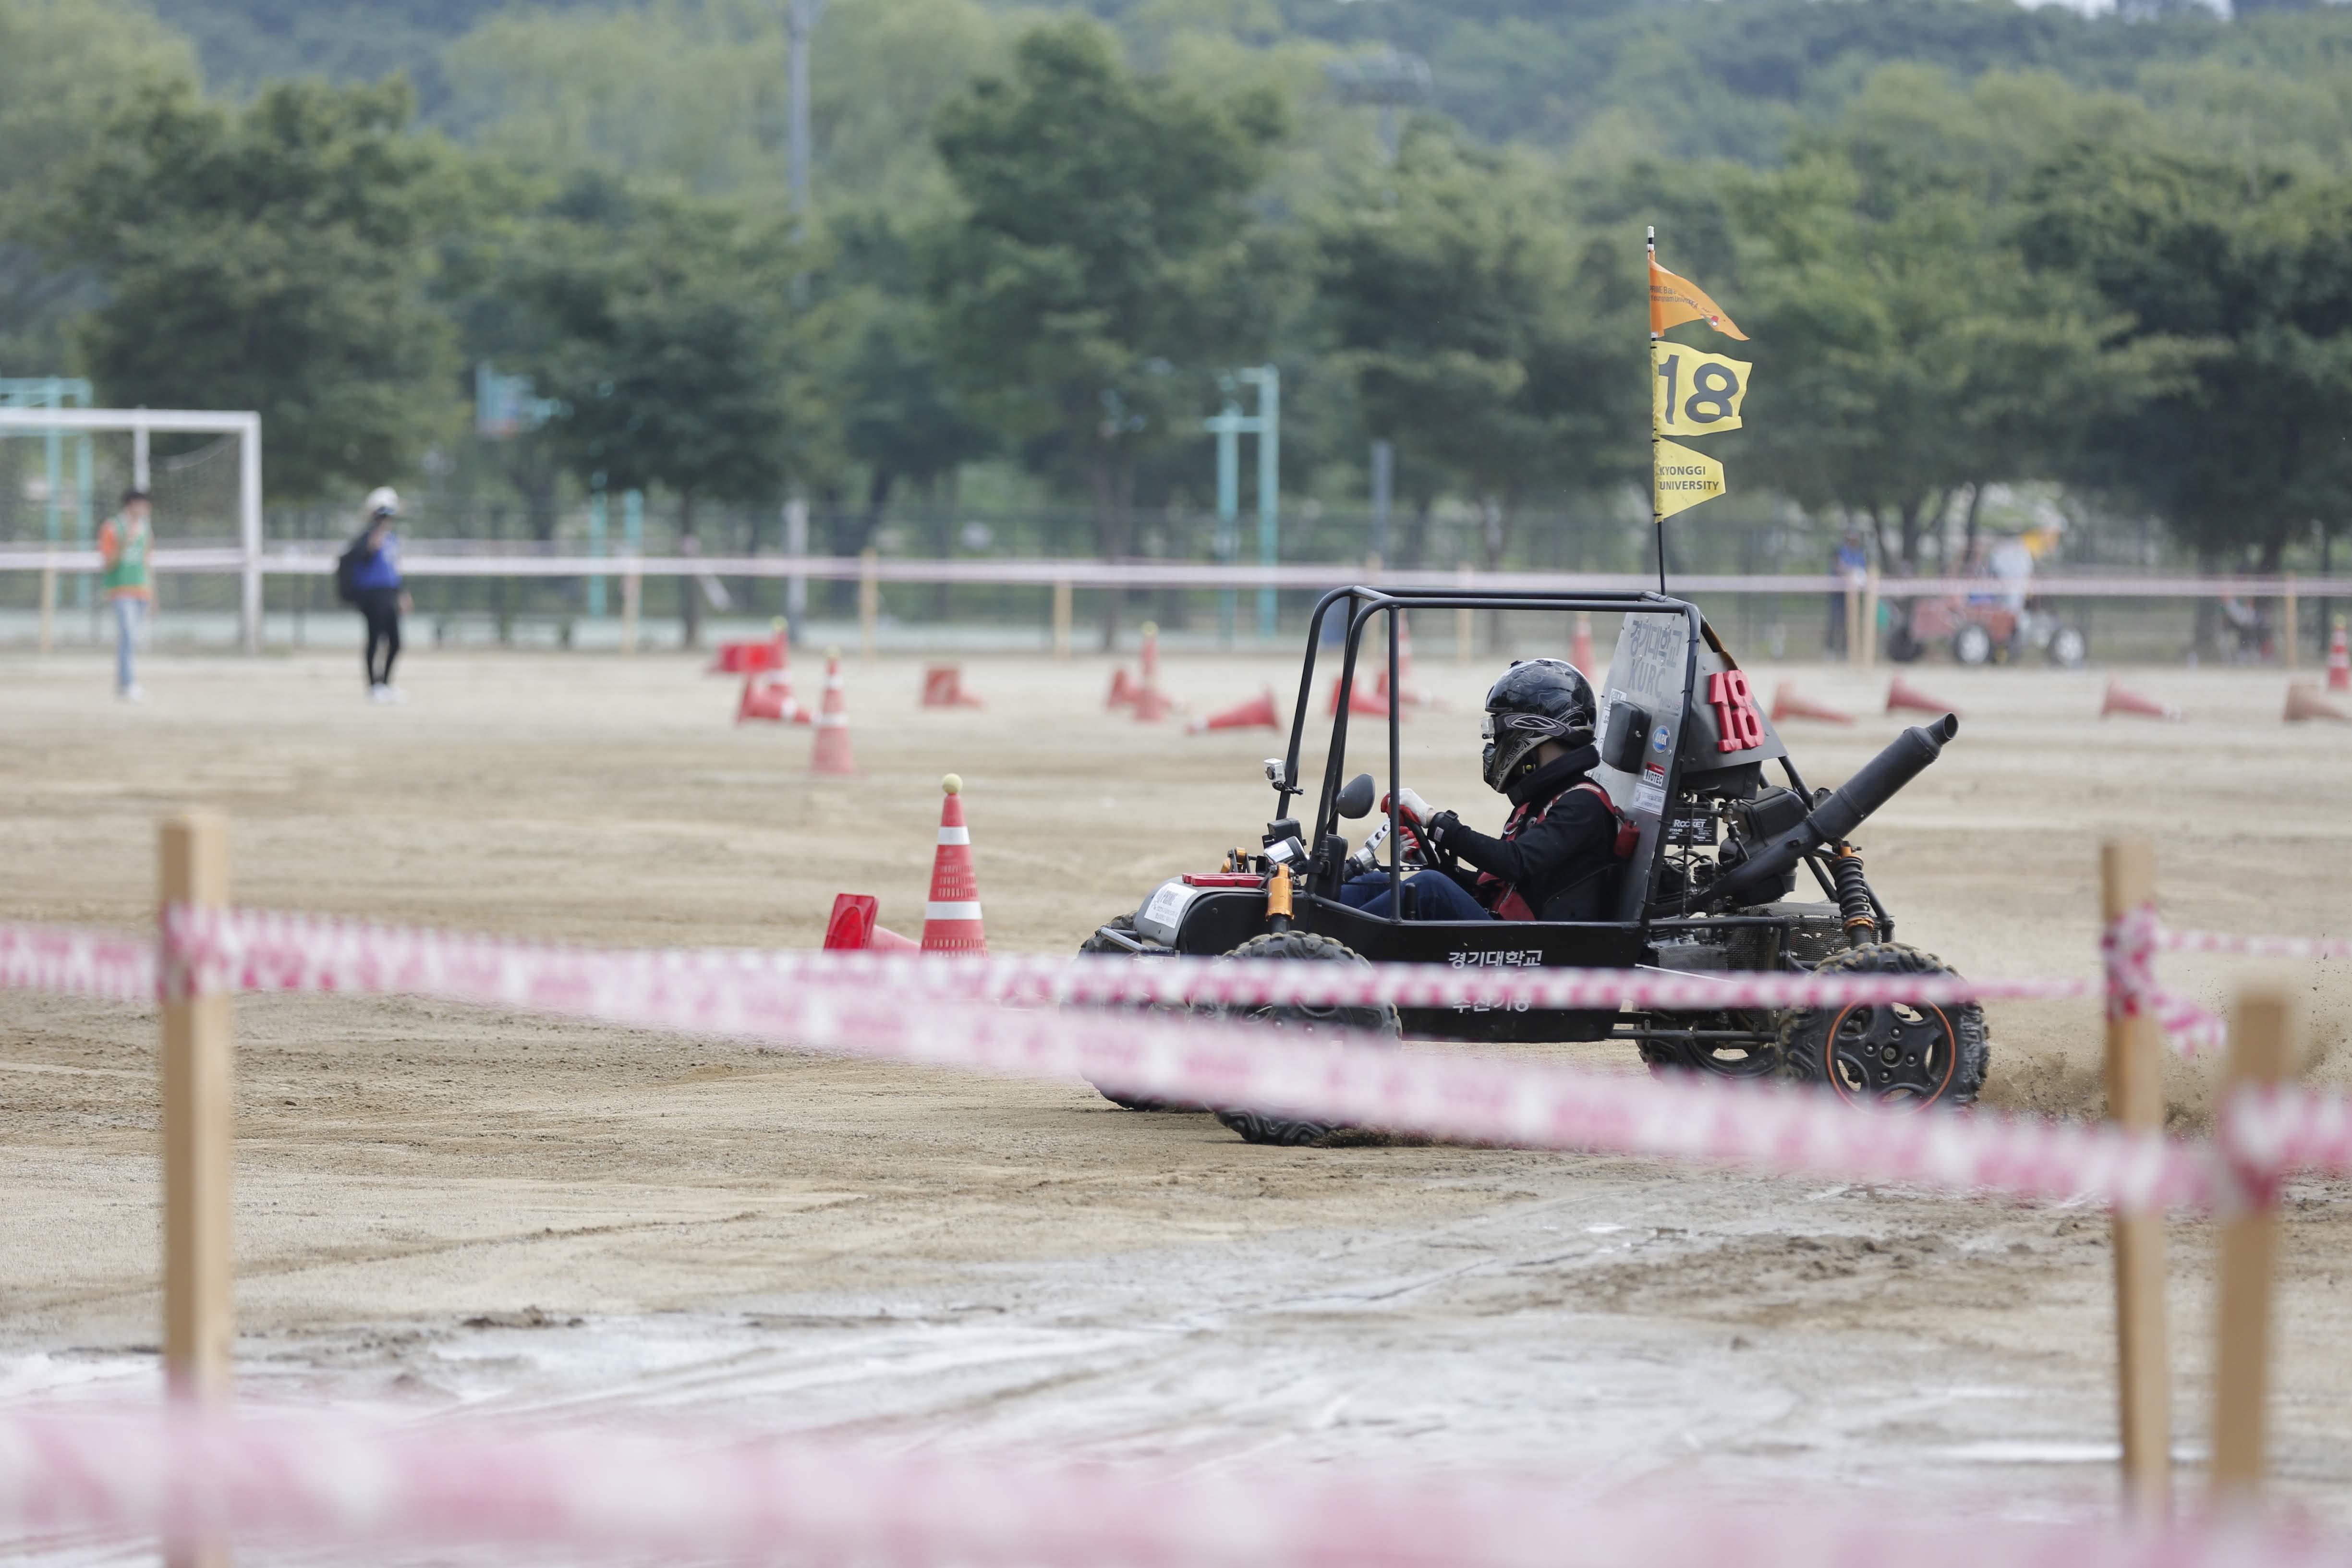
(1706, 889)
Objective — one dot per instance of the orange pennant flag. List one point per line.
(1674, 300)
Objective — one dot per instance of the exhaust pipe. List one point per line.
(1831, 821)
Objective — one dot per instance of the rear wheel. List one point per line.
(1267, 1127)
(2067, 649)
(1972, 643)
(1902, 1056)
(1099, 943)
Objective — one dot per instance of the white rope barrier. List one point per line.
(607, 1493)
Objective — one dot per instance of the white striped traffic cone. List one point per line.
(831, 752)
(951, 915)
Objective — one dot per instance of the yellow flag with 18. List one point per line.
(1694, 393)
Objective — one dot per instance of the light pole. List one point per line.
(1389, 80)
(800, 21)
(1229, 426)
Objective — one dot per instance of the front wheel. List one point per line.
(2067, 649)
(1901, 1056)
(1972, 644)
(1268, 1127)
(1100, 944)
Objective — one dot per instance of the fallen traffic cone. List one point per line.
(2122, 699)
(951, 914)
(1580, 648)
(772, 701)
(2303, 701)
(1150, 705)
(1122, 689)
(1257, 714)
(944, 687)
(751, 657)
(1360, 699)
(831, 752)
(1788, 703)
(2339, 659)
(1902, 694)
(853, 928)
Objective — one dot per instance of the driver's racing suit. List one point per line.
(1551, 862)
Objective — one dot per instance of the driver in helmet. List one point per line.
(1560, 841)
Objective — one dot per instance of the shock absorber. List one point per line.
(1853, 897)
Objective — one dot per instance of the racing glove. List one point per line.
(1438, 826)
(1414, 809)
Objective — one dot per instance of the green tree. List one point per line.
(1904, 350)
(2244, 458)
(1488, 336)
(275, 257)
(1101, 265)
(662, 328)
(66, 72)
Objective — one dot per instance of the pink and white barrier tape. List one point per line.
(77, 961)
(254, 949)
(798, 1000)
(608, 1493)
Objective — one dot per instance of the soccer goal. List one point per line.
(62, 471)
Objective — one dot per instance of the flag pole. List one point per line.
(1657, 518)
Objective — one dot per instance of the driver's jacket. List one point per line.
(1557, 848)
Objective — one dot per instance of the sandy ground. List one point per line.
(440, 1206)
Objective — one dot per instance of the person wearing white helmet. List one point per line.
(367, 577)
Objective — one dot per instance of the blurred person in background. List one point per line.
(122, 545)
(367, 577)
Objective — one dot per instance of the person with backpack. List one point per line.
(367, 576)
(1563, 836)
(123, 544)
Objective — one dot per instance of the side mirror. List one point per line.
(1356, 796)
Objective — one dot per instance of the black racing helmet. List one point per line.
(1536, 699)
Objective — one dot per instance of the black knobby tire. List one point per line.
(1718, 1058)
(1265, 1127)
(1099, 943)
(1903, 1056)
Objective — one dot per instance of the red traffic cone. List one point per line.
(831, 753)
(853, 928)
(2122, 699)
(2339, 659)
(1580, 648)
(1788, 703)
(944, 687)
(1902, 694)
(749, 658)
(951, 914)
(2303, 701)
(1150, 704)
(1257, 714)
(1362, 700)
(1122, 689)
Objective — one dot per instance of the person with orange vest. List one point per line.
(123, 544)
(1563, 835)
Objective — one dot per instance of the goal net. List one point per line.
(63, 474)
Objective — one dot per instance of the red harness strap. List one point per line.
(1511, 904)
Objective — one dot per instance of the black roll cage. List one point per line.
(1366, 602)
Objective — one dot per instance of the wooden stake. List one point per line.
(1870, 620)
(1852, 623)
(2259, 1035)
(633, 588)
(49, 607)
(869, 600)
(1062, 618)
(1466, 625)
(199, 1114)
(2136, 1099)
(2289, 628)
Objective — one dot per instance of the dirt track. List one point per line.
(428, 1195)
